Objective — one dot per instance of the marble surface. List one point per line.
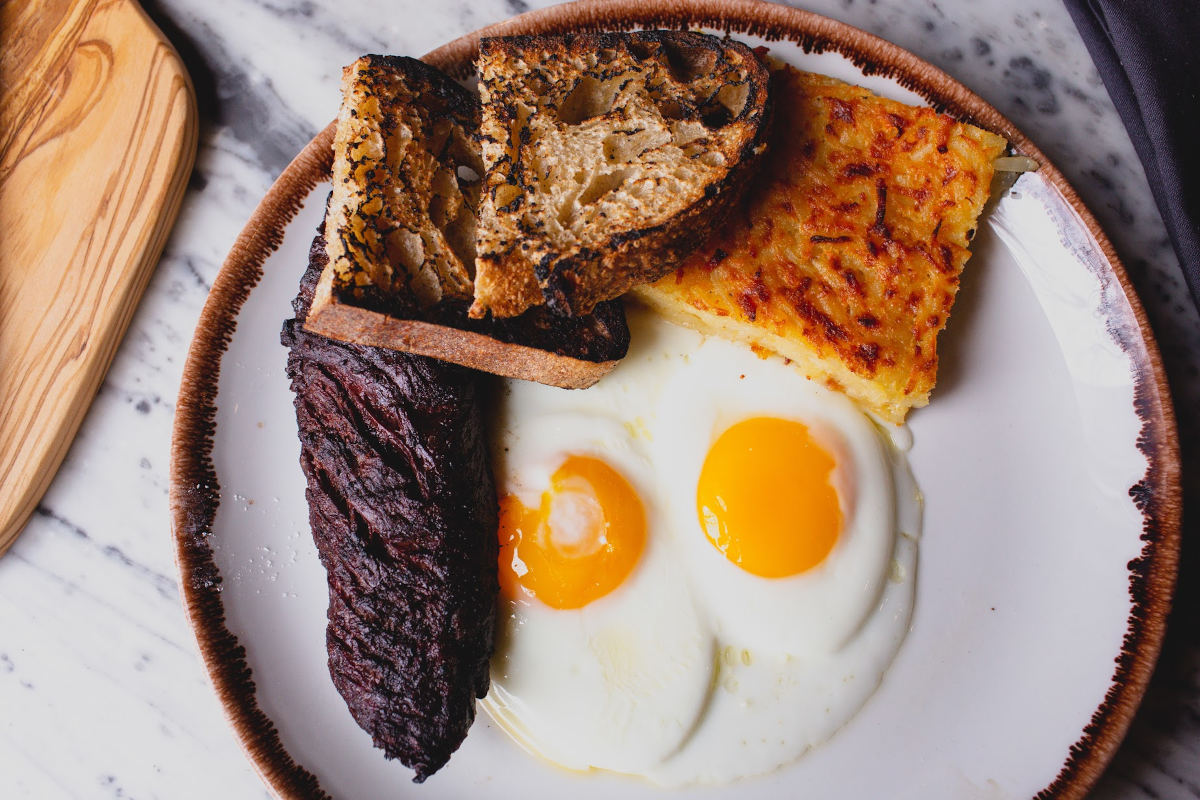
(102, 691)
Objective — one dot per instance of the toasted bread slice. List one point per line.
(401, 222)
(846, 255)
(607, 158)
(400, 235)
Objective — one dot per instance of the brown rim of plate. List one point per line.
(194, 489)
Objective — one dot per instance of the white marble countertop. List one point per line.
(102, 691)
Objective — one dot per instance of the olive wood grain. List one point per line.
(97, 138)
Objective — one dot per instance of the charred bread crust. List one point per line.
(405, 134)
(402, 212)
(402, 509)
(708, 96)
(571, 353)
(643, 256)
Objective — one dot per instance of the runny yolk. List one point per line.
(580, 543)
(765, 499)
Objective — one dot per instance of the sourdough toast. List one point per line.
(401, 221)
(845, 257)
(400, 235)
(607, 158)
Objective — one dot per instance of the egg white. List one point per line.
(693, 670)
(821, 608)
(606, 686)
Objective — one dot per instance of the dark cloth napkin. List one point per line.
(1148, 54)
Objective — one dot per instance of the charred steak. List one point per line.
(403, 513)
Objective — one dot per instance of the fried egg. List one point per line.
(707, 562)
(582, 675)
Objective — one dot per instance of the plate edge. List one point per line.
(193, 495)
(193, 481)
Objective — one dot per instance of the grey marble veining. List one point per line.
(102, 690)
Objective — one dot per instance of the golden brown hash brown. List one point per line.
(846, 255)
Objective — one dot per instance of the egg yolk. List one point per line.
(765, 499)
(580, 543)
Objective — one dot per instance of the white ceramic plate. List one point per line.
(1047, 459)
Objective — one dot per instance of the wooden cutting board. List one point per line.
(97, 139)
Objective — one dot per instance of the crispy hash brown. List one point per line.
(846, 255)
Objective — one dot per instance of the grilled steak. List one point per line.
(403, 513)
